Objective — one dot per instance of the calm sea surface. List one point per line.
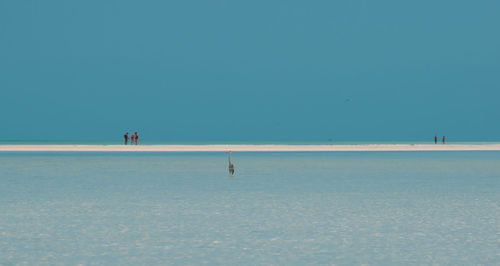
(342, 208)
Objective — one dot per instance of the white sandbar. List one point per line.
(281, 148)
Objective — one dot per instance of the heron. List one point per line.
(231, 165)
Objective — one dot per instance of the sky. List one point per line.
(250, 70)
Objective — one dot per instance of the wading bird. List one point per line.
(231, 165)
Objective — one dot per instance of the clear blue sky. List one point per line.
(250, 70)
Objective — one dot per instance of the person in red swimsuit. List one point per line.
(136, 137)
(443, 139)
(435, 139)
(126, 138)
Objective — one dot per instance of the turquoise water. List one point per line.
(144, 141)
(377, 208)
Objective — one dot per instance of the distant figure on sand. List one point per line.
(231, 165)
(435, 139)
(136, 137)
(132, 139)
(126, 138)
(443, 139)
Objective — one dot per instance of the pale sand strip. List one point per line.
(208, 148)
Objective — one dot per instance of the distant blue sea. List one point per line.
(144, 141)
(292, 208)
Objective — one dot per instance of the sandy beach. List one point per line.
(257, 148)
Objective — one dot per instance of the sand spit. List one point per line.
(257, 148)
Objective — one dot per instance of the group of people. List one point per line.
(436, 139)
(134, 138)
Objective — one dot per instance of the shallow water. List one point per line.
(341, 208)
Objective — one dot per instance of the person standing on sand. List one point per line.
(136, 137)
(443, 139)
(435, 139)
(126, 138)
(132, 139)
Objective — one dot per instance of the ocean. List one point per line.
(284, 208)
